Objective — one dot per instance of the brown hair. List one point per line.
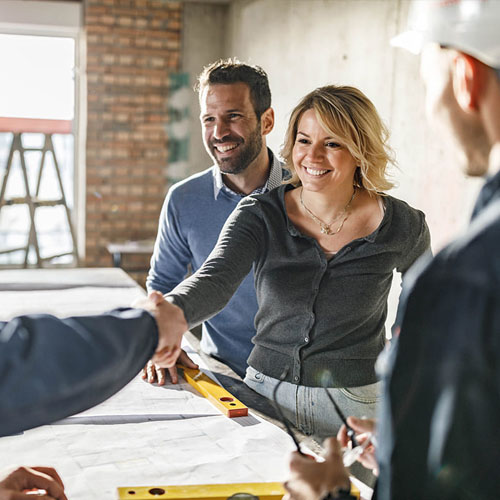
(227, 71)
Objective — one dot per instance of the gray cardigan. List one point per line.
(315, 315)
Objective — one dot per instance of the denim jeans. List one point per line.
(309, 409)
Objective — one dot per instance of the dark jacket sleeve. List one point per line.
(51, 368)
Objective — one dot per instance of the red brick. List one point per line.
(132, 45)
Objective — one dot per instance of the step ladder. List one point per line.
(18, 126)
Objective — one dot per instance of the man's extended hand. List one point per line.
(312, 480)
(171, 327)
(16, 484)
(154, 373)
(364, 428)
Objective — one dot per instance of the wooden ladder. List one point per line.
(32, 200)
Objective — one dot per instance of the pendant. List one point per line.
(326, 230)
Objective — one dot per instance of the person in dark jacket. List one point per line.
(51, 368)
(438, 424)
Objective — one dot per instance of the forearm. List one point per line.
(172, 255)
(207, 291)
(52, 368)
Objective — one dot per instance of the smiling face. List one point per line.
(231, 131)
(321, 162)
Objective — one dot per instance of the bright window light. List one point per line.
(37, 77)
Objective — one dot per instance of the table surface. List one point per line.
(145, 435)
(142, 246)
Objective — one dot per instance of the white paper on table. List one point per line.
(183, 440)
(62, 303)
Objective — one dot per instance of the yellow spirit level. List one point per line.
(217, 395)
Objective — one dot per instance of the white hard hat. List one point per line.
(470, 26)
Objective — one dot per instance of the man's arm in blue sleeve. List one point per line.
(171, 255)
(51, 368)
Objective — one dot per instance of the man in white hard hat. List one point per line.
(438, 426)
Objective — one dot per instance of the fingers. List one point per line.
(42, 478)
(171, 327)
(296, 460)
(173, 374)
(153, 373)
(186, 361)
(359, 425)
(306, 479)
(296, 490)
(332, 448)
(146, 371)
(167, 357)
(156, 297)
(362, 424)
(160, 375)
(365, 429)
(50, 471)
(31, 495)
(343, 437)
(150, 302)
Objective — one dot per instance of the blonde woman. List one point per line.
(323, 248)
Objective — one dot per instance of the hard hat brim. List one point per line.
(413, 41)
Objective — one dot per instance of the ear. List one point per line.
(467, 74)
(267, 121)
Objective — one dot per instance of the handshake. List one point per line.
(171, 325)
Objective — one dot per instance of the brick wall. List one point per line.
(132, 46)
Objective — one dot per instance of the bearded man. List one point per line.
(236, 116)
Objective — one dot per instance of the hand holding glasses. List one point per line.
(350, 455)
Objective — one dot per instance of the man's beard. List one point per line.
(248, 151)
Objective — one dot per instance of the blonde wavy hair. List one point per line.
(350, 117)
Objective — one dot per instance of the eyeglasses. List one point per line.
(350, 455)
(350, 432)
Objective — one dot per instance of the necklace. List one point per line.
(326, 228)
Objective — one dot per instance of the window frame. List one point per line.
(60, 19)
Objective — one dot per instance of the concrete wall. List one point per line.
(203, 41)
